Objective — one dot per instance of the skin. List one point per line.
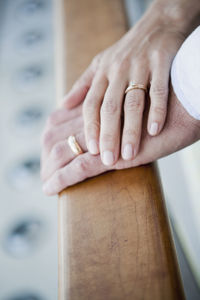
(143, 55)
(61, 168)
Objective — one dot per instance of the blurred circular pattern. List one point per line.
(29, 77)
(24, 173)
(29, 116)
(27, 58)
(29, 9)
(25, 296)
(31, 39)
(23, 237)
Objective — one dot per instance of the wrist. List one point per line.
(182, 15)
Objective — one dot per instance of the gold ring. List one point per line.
(75, 147)
(134, 86)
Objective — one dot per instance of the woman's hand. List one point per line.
(61, 168)
(144, 55)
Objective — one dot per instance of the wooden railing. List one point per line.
(114, 237)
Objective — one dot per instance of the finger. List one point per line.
(57, 133)
(111, 122)
(91, 113)
(133, 116)
(60, 155)
(62, 115)
(79, 90)
(80, 168)
(159, 98)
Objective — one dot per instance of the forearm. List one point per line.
(182, 14)
(176, 16)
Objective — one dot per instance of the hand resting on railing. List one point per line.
(144, 56)
(61, 168)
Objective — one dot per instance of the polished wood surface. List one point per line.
(113, 234)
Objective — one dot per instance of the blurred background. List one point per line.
(28, 219)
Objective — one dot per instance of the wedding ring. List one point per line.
(74, 146)
(134, 86)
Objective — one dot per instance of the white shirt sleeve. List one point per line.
(185, 74)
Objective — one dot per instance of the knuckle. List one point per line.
(58, 151)
(93, 127)
(52, 118)
(120, 64)
(107, 137)
(159, 91)
(89, 108)
(47, 137)
(156, 54)
(96, 61)
(159, 55)
(131, 133)
(120, 67)
(159, 109)
(132, 103)
(59, 180)
(109, 106)
(82, 81)
(81, 165)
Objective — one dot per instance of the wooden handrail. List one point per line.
(114, 238)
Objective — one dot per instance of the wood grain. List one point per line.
(113, 233)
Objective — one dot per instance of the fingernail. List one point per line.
(108, 158)
(127, 152)
(93, 147)
(47, 188)
(153, 129)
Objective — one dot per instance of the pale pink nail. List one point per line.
(153, 129)
(93, 147)
(127, 152)
(108, 158)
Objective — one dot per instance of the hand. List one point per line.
(61, 168)
(143, 55)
